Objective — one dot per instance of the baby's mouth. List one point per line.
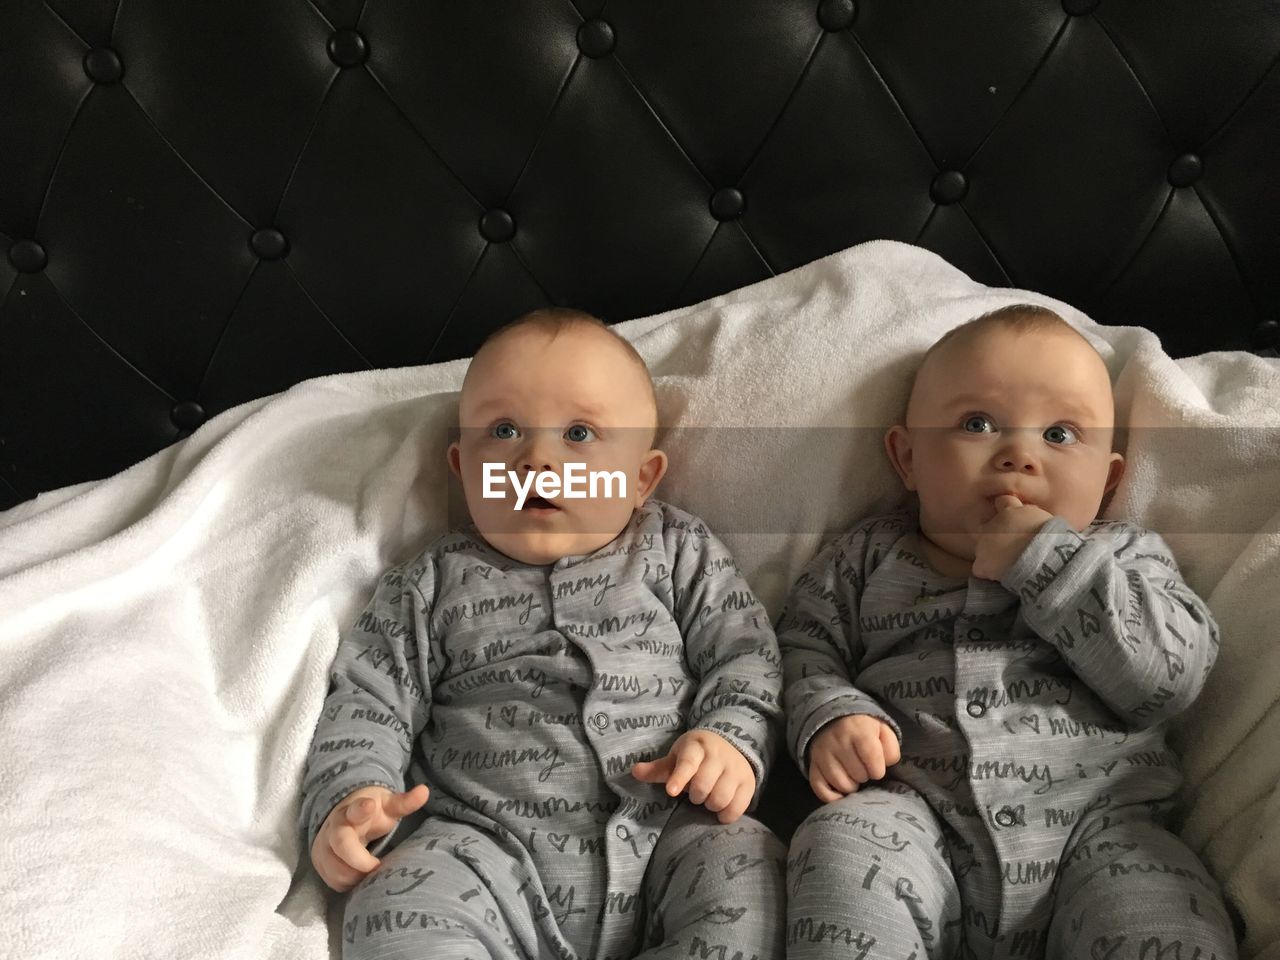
(1020, 497)
(539, 504)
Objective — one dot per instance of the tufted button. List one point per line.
(103, 65)
(975, 635)
(836, 14)
(187, 415)
(1078, 8)
(497, 226)
(28, 256)
(269, 243)
(1185, 170)
(976, 708)
(948, 187)
(347, 48)
(727, 203)
(1005, 817)
(595, 38)
(1265, 336)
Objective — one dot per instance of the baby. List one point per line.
(540, 687)
(977, 693)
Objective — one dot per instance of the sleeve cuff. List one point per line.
(334, 794)
(749, 733)
(845, 705)
(1043, 559)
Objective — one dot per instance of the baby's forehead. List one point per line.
(962, 369)
(583, 367)
(517, 347)
(1009, 343)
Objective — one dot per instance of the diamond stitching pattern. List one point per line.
(844, 155)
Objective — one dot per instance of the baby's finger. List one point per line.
(872, 756)
(738, 806)
(836, 776)
(688, 761)
(889, 743)
(705, 780)
(847, 756)
(722, 794)
(336, 873)
(1006, 501)
(820, 788)
(347, 847)
(364, 816)
(653, 771)
(402, 804)
(358, 811)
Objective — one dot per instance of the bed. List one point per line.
(248, 247)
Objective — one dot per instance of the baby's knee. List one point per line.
(421, 895)
(862, 842)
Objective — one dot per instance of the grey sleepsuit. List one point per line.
(1028, 814)
(522, 695)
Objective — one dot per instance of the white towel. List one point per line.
(165, 634)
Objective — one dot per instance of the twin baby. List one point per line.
(564, 713)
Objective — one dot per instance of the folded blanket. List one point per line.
(165, 634)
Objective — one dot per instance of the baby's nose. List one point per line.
(1016, 456)
(1021, 464)
(535, 455)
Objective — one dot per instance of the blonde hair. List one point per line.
(555, 320)
(1017, 317)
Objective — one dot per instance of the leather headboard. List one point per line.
(202, 203)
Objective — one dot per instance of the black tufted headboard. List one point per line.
(202, 203)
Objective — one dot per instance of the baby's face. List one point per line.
(533, 403)
(1027, 413)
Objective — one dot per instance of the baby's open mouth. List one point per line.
(538, 503)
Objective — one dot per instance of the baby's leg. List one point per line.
(869, 876)
(1127, 888)
(449, 893)
(714, 889)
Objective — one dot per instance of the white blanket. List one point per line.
(165, 634)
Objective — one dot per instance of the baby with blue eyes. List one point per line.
(562, 712)
(977, 687)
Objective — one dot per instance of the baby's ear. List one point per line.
(652, 469)
(897, 443)
(454, 456)
(1114, 472)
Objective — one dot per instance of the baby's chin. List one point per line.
(542, 548)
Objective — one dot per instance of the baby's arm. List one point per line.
(1115, 606)
(378, 701)
(731, 649)
(821, 652)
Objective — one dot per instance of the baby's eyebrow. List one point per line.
(491, 404)
(968, 400)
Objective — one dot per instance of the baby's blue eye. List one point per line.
(1061, 434)
(580, 433)
(979, 423)
(504, 431)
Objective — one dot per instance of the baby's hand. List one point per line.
(848, 752)
(339, 853)
(715, 771)
(1001, 540)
